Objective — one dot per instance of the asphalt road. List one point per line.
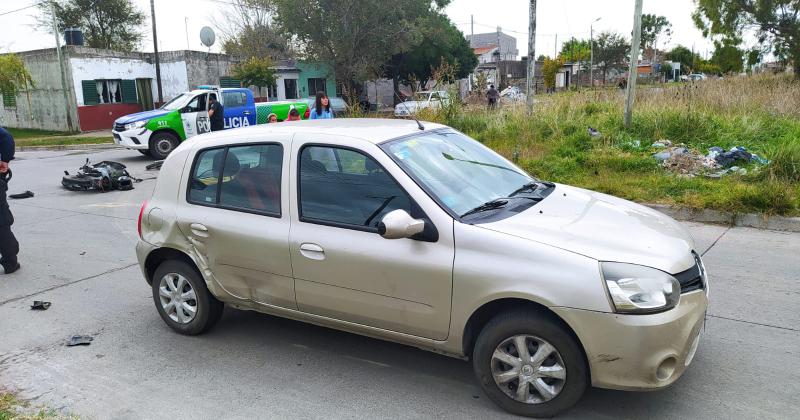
(77, 252)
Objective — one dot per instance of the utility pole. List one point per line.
(555, 48)
(531, 82)
(155, 50)
(61, 67)
(499, 56)
(633, 72)
(186, 28)
(472, 25)
(591, 53)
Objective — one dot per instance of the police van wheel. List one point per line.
(162, 144)
(145, 152)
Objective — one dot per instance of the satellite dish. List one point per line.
(207, 36)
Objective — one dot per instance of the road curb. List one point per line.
(99, 146)
(754, 220)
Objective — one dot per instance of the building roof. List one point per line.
(374, 130)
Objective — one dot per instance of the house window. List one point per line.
(291, 88)
(339, 89)
(109, 91)
(272, 91)
(317, 85)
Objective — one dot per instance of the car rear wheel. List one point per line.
(162, 144)
(182, 299)
(529, 365)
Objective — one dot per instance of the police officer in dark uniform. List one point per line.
(9, 247)
(216, 113)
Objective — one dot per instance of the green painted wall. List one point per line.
(311, 70)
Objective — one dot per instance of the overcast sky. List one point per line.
(558, 20)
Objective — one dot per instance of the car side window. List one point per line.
(198, 104)
(234, 99)
(246, 178)
(204, 184)
(357, 193)
(251, 179)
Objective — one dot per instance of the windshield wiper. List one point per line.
(495, 204)
(532, 186)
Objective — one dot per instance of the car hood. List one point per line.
(139, 116)
(409, 104)
(603, 227)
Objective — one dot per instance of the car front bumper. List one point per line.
(639, 352)
(138, 138)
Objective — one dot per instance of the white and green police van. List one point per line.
(158, 132)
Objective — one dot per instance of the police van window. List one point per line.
(198, 104)
(356, 193)
(251, 179)
(234, 99)
(205, 177)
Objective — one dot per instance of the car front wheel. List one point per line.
(162, 144)
(529, 365)
(182, 299)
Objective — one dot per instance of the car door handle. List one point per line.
(199, 230)
(312, 251)
(246, 113)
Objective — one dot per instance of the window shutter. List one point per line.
(129, 92)
(90, 96)
(229, 82)
(9, 99)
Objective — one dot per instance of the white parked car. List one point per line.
(426, 99)
(426, 238)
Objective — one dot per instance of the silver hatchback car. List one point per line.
(428, 238)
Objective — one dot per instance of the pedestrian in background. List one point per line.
(492, 96)
(9, 247)
(216, 112)
(272, 118)
(322, 108)
(294, 115)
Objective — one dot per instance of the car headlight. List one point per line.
(636, 289)
(137, 124)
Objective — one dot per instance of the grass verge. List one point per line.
(12, 408)
(63, 141)
(760, 113)
(28, 133)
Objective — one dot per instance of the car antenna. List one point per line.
(411, 114)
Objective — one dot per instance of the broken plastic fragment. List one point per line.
(80, 340)
(40, 305)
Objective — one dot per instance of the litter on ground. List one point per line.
(80, 340)
(40, 305)
(715, 164)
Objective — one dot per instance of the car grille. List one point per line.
(691, 279)
(119, 127)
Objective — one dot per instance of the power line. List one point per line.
(23, 8)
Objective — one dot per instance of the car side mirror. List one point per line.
(398, 224)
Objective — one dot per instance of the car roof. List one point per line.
(374, 130)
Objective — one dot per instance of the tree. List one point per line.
(107, 24)
(652, 28)
(753, 58)
(255, 71)
(440, 42)
(13, 75)
(356, 36)
(684, 56)
(776, 22)
(728, 58)
(610, 52)
(576, 50)
(247, 30)
(550, 68)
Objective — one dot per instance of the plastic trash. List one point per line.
(80, 340)
(40, 305)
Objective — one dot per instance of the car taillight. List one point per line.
(307, 113)
(139, 222)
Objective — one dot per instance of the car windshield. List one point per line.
(177, 102)
(422, 96)
(461, 173)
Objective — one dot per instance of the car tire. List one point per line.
(179, 317)
(145, 152)
(537, 329)
(162, 144)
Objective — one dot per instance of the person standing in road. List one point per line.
(9, 247)
(492, 95)
(216, 113)
(294, 115)
(322, 108)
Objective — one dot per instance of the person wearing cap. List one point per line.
(294, 115)
(9, 247)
